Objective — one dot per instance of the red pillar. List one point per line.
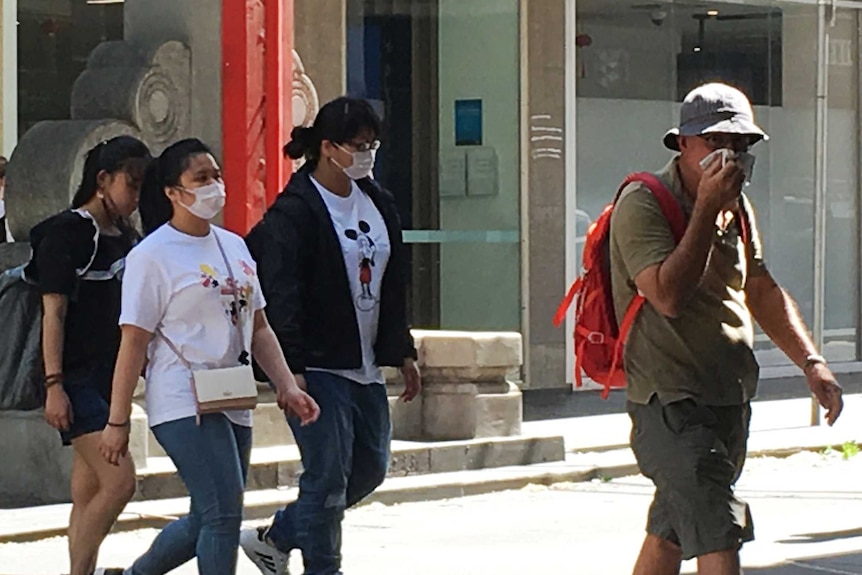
(257, 66)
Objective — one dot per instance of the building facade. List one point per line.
(508, 126)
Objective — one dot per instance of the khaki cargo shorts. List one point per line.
(694, 454)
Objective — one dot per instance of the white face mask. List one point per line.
(209, 200)
(363, 164)
(745, 160)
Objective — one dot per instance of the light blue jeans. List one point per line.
(212, 459)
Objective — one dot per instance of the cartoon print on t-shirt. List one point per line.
(227, 287)
(208, 275)
(367, 249)
(243, 295)
(246, 269)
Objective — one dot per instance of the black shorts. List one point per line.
(694, 454)
(89, 392)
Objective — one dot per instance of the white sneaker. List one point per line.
(267, 558)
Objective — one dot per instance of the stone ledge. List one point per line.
(464, 349)
(468, 393)
(273, 468)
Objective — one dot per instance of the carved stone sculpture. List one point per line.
(122, 91)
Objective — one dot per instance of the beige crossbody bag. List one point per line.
(223, 388)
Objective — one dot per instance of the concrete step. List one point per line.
(499, 416)
(279, 466)
(35, 523)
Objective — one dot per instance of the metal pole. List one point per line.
(820, 140)
(858, 190)
(571, 177)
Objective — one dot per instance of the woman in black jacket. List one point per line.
(332, 266)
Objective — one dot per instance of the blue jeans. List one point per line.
(345, 456)
(212, 460)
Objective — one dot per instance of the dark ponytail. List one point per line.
(300, 144)
(164, 172)
(338, 121)
(110, 156)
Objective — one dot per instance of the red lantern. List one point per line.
(583, 40)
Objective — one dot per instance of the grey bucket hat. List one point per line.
(714, 108)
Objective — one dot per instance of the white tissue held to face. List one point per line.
(745, 160)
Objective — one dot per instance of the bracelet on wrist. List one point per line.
(53, 379)
(126, 423)
(812, 360)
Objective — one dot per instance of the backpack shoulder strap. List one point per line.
(744, 219)
(667, 202)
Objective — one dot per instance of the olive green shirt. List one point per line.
(706, 352)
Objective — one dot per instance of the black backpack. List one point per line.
(22, 371)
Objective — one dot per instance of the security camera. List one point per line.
(658, 17)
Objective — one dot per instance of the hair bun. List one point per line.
(300, 140)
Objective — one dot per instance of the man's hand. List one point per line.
(297, 403)
(720, 186)
(294, 400)
(825, 388)
(412, 380)
(58, 408)
(114, 443)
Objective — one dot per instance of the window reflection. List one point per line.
(55, 38)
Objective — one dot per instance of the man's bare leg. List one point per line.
(658, 557)
(719, 563)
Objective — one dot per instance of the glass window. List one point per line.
(445, 77)
(636, 62)
(55, 38)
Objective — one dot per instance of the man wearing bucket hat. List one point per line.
(690, 368)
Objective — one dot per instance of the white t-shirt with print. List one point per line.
(179, 284)
(365, 246)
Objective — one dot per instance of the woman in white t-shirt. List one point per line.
(190, 284)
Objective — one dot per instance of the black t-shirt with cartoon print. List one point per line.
(67, 247)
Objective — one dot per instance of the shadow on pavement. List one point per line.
(839, 564)
(822, 537)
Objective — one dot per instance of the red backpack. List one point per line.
(599, 339)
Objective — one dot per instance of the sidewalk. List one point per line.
(597, 448)
(774, 425)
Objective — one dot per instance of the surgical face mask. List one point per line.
(363, 163)
(209, 200)
(745, 160)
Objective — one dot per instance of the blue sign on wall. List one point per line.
(468, 122)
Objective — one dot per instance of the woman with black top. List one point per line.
(79, 256)
(332, 266)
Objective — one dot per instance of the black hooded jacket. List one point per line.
(304, 280)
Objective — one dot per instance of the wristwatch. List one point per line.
(813, 359)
